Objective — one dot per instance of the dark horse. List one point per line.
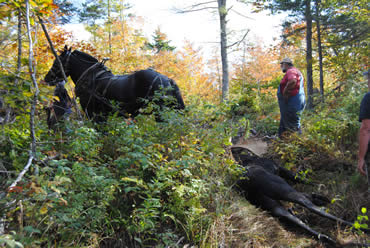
(263, 185)
(95, 85)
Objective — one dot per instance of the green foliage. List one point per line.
(8, 241)
(67, 8)
(362, 218)
(160, 43)
(129, 178)
(257, 103)
(328, 133)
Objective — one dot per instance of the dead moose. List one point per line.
(264, 186)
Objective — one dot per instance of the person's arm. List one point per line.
(364, 138)
(292, 78)
(290, 86)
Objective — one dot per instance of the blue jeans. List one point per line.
(290, 113)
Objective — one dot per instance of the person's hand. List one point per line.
(361, 166)
(286, 97)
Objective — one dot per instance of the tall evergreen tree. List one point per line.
(92, 11)
(67, 9)
(160, 42)
(346, 30)
(101, 12)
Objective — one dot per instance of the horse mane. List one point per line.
(85, 56)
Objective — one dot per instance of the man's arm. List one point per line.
(290, 86)
(364, 138)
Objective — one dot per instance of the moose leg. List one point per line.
(299, 198)
(279, 211)
(277, 188)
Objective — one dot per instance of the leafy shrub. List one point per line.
(139, 181)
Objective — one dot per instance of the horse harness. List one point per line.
(93, 92)
(92, 80)
(101, 97)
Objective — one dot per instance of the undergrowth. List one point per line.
(121, 183)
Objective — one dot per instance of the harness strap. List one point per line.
(151, 85)
(106, 87)
(86, 71)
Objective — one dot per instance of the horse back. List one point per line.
(120, 88)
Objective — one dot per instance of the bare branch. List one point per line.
(240, 41)
(52, 48)
(204, 3)
(196, 7)
(240, 14)
(47, 159)
(59, 63)
(3, 66)
(193, 10)
(20, 176)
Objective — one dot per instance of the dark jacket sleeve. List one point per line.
(365, 107)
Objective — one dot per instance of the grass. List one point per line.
(244, 225)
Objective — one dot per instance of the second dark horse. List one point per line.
(96, 86)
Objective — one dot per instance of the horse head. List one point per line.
(55, 75)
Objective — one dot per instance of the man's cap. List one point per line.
(287, 60)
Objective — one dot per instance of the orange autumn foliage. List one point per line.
(130, 53)
(260, 67)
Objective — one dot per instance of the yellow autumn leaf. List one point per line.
(27, 94)
(44, 210)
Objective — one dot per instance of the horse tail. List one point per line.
(177, 95)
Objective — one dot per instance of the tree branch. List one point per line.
(26, 168)
(240, 41)
(59, 63)
(238, 13)
(193, 10)
(196, 7)
(52, 48)
(199, 4)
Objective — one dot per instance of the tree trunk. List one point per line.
(319, 49)
(122, 24)
(308, 17)
(19, 61)
(225, 71)
(109, 29)
(33, 77)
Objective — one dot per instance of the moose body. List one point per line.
(96, 86)
(264, 186)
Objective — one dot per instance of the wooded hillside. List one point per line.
(166, 177)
